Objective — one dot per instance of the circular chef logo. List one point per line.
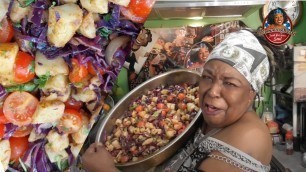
(277, 27)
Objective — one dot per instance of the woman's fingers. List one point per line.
(92, 148)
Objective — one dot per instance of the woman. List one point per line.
(277, 18)
(232, 137)
(198, 56)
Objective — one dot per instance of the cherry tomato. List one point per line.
(3, 119)
(70, 122)
(170, 98)
(164, 113)
(181, 96)
(78, 73)
(141, 124)
(182, 106)
(182, 129)
(124, 159)
(139, 108)
(2, 127)
(71, 103)
(23, 131)
(92, 71)
(106, 107)
(19, 145)
(24, 68)
(6, 31)
(19, 107)
(138, 10)
(160, 106)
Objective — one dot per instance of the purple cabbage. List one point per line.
(42, 128)
(36, 157)
(3, 92)
(71, 159)
(9, 130)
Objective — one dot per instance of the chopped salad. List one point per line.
(59, 60)
(152, 121)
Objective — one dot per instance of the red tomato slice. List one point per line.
(138, 10)
(78, 73)
(24, 68)
(70, 122)
(19, 108)
(19, 145)
(23, 131)
(3, 119)
(71, 103)
(1, 131)
(6, 31)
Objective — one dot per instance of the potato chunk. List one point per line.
(56, 141)
(80, 136)
(88, 27)
(120, 2)
(18, 12)
(48, 112)
(68, 1)
(8, 53)
(95, 6)
(63, 22)
(5, 153)
(54, 67)
(57, 88)
(55, 156)
(3, 8)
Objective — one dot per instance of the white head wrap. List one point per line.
(243, 51)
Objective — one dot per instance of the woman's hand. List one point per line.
(97, 159)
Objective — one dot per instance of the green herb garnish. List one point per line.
(26, 3)
(42, 80)
(107, 17)
(32, 67)
(104, 32)
(29, 87)
(17, 25)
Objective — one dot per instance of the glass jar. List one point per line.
(267, 115)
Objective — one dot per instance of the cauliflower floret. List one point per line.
(64, 21)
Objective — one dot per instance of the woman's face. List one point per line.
(225, 95)
(203, 53)
(278, 19)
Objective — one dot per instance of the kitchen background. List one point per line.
(169, 17)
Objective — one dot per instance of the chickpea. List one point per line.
(148, 141)
(116, 144)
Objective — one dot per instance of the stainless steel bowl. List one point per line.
(173, 77)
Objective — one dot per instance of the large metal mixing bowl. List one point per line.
(173, 77)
